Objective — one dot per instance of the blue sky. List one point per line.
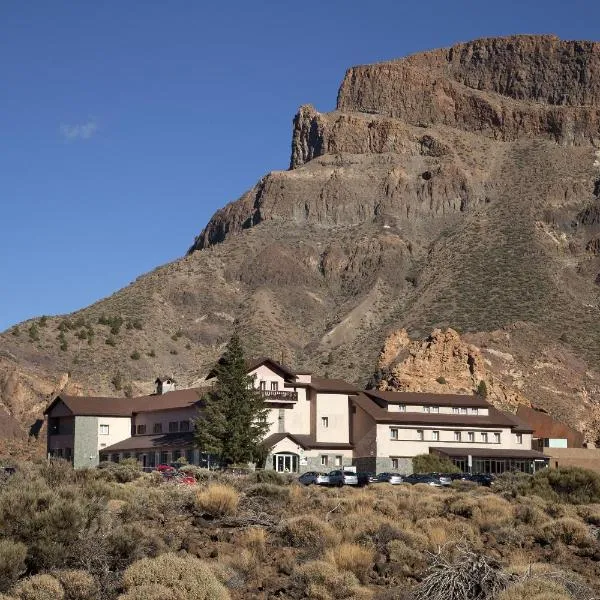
(125, 125)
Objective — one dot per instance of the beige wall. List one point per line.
(119, 429)
(364, 434)
(586, 458)
(287, 445)
(336, 408)
(442, 410)
(164, 417)
(408, 443)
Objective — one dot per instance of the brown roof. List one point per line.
(153, 442)
(323, 385)
(305, 441)
(495, 418)
(544, 426)
(253, 363)
(422, 398)
(125, 407)
(488, 452)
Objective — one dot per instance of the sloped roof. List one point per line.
(423, 398)
(149, 442)
(304, 441)
(254, 363)
(323, 385)
(125, 407)
(495, 418)
(488, 452)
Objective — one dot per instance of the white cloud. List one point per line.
(79, 132)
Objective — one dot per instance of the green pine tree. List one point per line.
(233, 420)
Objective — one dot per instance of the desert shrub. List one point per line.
(590, 513)
(268, 490)
(308, 532)
(530, 514)
(255, 540)
(129, 469)
(492, 511)
(321, 580)
(513, 484)
(179, 576)
(567, 530)
(218, 500)
(572, 484)
(77, 585)
(267, 476)
(482, 389)
(352, 557)
(198, 473)
(442, 533)
(462, 505)
(433, 463)
(135, 355)
(535, 589)
(12, 562)
(39, 587)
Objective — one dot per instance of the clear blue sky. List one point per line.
(124, 125)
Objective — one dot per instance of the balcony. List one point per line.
(279, 396)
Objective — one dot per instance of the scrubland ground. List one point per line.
(117, 533)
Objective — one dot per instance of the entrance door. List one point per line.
(285, 462)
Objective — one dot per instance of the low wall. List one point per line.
(587, 458)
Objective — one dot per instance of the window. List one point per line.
(455, 410)
(471, 436)
(325, 422)
(104, 429)
(457, 436)
(116, 458)
(519, 438)
(474, 411)
(157, 428)
(263, 385)
(427, 409)
(401, 407)
(164, 458)
(126, 455)
(68, 453)
(496, 438)
(484, 437)
(338, 461)
(173, 427)
(102, 445)
(431, 409)
(189, 455)
(324, 460)
(274, 385)
(141, 429)
(393, 433)
(435, 436)
(463, 410)
(395, 463)
(176, 455)
(420, 434)
(184, 425)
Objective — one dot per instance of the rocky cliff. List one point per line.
(457, 188)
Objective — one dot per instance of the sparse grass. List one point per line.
(352, 557)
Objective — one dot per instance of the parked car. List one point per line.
(444, 478)
(393, 478)
(423, 478)
(341, 478)
(313, 478)
(165, 468)
(366, 479)
(485, 479)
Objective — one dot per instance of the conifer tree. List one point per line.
(233, 420)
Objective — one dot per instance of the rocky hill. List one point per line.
(454, 188)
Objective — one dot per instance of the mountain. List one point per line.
(457, 188)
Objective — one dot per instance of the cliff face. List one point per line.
(458, 188)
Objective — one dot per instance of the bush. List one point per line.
(173, 576)
(535, 589)
(267, 476)
(129, 469)
(39, 587)
(77, 585)
(567, 530)
(268, 490)
(12, 562)
(135, 355)
(354, 558)
(307, 531)
(433, 463)
(321, 580)
(482, 389)
(218, 500)
(573, 484)
(441, 380)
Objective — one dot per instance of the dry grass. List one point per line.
(536, 589)
(352, 557)
(566, 530)
(39, 587)
(218, 500)
(492, 511)
(322, 580)
(308, 532)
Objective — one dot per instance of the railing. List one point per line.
(279, 396)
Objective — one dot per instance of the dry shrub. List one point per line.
(218, 500)
(39, 587)
(590, 513)
(78, 585)
(185, 577)
(462, 505)
(297, 494)
(444, 533)
(492, 511)
(385, 507)
(268, 490)
(530, 514)
(322, 581)
(255, 540)
(535, 589)
(354, 558)
(152, 592)
(308, 532)
(12, 562)
(567, 530)
(412, 560)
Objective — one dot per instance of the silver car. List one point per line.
(393, 478)
(314, 478)
(341, 478)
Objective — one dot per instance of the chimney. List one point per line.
(164, 385)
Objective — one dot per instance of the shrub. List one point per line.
(307, 531)
(441, 380)
(77, 585)
(135, 355)
(354, 558)
(269, 477)
(482, 389)
(567, 530)
(151, 354)
(433, 463)
(268, 490)
(39, 587)
(129, 469)
(12, 562)
(535, 589)
(110, 340)
(492, 511)
(218, 500)
(117, 381)
(572, 484)
(175, 576)
(34, 334)
(322, 581)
